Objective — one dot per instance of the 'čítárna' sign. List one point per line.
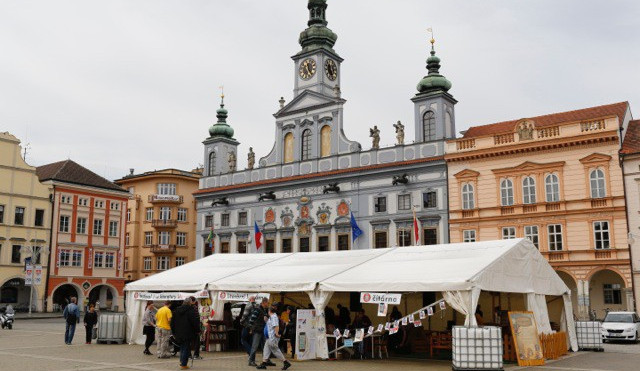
(380, 298)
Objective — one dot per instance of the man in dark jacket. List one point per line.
(257, 320)
(185, 326)
(245, 336)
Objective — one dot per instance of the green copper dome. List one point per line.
(221, 128)
(434, 81)
(317, 35)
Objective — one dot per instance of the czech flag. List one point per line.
(416, 229)
(257, 235)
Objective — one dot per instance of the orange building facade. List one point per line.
(557, 180)
(87, 244)
(160, 221)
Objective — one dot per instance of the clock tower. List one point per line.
(317, 65)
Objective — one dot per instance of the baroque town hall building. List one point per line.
(302, 193)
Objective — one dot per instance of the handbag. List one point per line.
(94, 333)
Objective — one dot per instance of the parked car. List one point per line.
(621, 326)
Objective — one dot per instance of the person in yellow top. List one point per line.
(163, 330)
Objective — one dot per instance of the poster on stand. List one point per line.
(306, 334)
(525, 335)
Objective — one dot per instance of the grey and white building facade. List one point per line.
(302, 193)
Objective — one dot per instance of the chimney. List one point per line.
(131, 170)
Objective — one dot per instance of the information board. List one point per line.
(306, 334)
(526, 340)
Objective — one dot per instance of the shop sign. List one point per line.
(380, 298)
(241, 296)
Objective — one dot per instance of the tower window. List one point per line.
(429, 126)
(288, 148)
(212, 163)
(325, 141)
(306, 144)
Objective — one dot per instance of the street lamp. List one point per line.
(34, 251)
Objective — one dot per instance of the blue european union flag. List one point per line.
(355, 230)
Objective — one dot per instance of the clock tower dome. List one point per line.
(317, 65)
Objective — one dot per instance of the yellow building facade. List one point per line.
(25, 227)
(161, 221)
(557, 180)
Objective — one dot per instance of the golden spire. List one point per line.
(432, 41)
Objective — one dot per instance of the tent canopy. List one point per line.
(504, 265)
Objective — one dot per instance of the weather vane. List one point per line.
(430, 30)
(221, 91)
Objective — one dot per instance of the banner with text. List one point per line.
(159, 296)
(241, 296)
(380, 298)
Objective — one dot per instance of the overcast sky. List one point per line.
(115, 85)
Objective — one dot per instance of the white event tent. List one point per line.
(460, 271)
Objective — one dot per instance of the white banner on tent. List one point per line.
(241, 296)
(380, 298)
(157, 296)
(306, 334)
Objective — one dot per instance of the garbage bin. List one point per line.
(111, 328)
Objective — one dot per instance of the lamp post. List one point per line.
(34, 251)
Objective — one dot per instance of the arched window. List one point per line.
(596, 179)
(528, 190)
(468, 200)
(306, 144)
(325, 141)
(212, 163)
(429, 126)
(552, 188)
(506, 192)
(288, 148)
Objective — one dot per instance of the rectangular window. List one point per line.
(163, 263)
(242, 247)
(181, 239)
(148, 238)
(19, 216)
(179, 261)
(115, 206)
(76, 258)
(343, 242)
(380, 204)
(323, 243)
(98, 260)
(98, 204)
(147, 263)
(182, 214)
(164, 238)
(128, 215)
(148, 214)
(39, 220)
(380, 240)
(65, 199)
(208, 221)
(242, 218)
(601, 234)
(508, 233)
(404, 237)
(224, 247)
(97, 227)
(81, 226)
(165, 213)
(64, 224)
(286, 245)
(304, 244)
(430, 199)
(531, 232)
(83, 202)
(270, 247)
(166, 188)
(15, 254)
(404, 202)
(126, 264)
(224, 220)
(65, 258)
(612, 293)
(109, 260)
(430, 236)
(469, 235)
(126, 239)
(113, 229)
(555, 237)
(1, 214)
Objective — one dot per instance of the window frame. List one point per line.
(528, 229)
(430, 199)
(529, 198)
(163, 263)
(554, 185)
(327, 238)
(343, 236)
(98, 225)
(19, 214)
(466, 235)
(145, 266)
(552, 237)
(290, 247)
(180, 260)
(305, 148)
(38, 219)
(81, 225)
(16, 250)
(600, 190)
(599, 235)
(212, 163)
(506, 192)
(404, 202)
(113, 228)
(376, 239)
(148, 238)
(168, 189)
(468, 196)
(63, 224)
(182, 214)
(181, 236)
(429, 131)
(148, 214)
(612, 293)
(225, 220)
(380, 203)
(243, 218)
(509, 235)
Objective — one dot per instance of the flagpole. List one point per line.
(415, 227)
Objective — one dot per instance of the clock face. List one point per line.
(307, 68)
(330, 69)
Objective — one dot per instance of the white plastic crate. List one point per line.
(477, 348)
(111, 327)
(589, 335)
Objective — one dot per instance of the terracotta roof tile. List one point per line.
(317, 175)
(616, 109)
(70, 172)
(631, 143)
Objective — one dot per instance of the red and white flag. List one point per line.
(257, 235)
(416, 229)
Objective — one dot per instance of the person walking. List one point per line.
(245, 336)
(72, 316)
(163, 329)
(185, 326)
(149, 326)
(257, 321)
(90, 321)
(201, 330)
(271, 344)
